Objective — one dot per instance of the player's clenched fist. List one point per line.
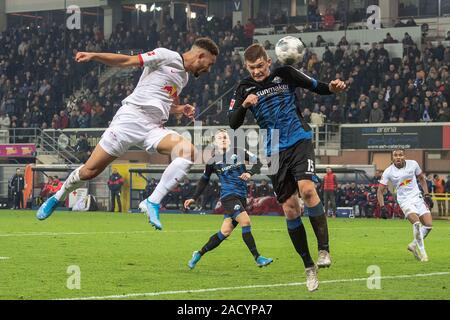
(83, 57)
(251, 100)
(189, 111)
(337, 85)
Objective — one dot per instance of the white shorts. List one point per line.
(416, 206)
(130, 127)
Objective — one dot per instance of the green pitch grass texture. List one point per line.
(121, 256)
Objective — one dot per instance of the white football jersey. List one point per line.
(404, 180)
(161, 82)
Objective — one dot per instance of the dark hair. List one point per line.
(398, 149)
(207, 44)
(254, 52)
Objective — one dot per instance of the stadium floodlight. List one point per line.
(209, 18)
(141, 7)
(158, 9)
(193, 15)
(153, 7)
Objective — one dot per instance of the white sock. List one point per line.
(72, 183)
(418, 237)
(171, 177)
(425, 231)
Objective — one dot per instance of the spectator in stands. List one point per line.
(389, 39)
(84, 119)
(361, 196)
(341, 194)
(376, 178)
(320, 41)
(115, 183)
(364, 112)
(439, 188)
(376, 114)
(330, 184)
(264, 189)
(17, 187)
(249, 30)
(328, 20)
(335, 116)
(186, 191)
(252, 190)
(353, 113)
(5, 121)
(82, 148)
(448, 36)
(372, 202)
(343, 42)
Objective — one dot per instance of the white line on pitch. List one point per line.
(50, 234)
(160, 293)
(4, 258)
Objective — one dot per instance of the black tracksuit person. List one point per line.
(17, 186)
(115, 183)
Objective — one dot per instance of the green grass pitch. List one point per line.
(121, 257)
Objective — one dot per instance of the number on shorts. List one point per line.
(310, 165)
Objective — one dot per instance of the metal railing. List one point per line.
(45, 143)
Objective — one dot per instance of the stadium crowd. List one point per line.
(39, 86)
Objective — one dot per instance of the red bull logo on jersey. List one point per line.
(404, 183)
(172, 90)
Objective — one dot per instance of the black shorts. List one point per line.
(233, 206)
(294, 164)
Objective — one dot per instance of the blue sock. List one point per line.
(318, 220)
(250, 241)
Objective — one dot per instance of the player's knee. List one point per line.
(291, 210)
(185, 150)
(308, 194)
(226, 232)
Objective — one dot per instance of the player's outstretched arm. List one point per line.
(110, 59)
(301, 80)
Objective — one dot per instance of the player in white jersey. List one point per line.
(403, 174)
(140, 120)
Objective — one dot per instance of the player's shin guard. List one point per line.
(297, 233)
(173, 174)
(214, 242)
(318, 220)
(250, 241)
(72, 183)
(418, 237)
(425, 231)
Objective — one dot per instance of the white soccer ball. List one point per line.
(289, 50)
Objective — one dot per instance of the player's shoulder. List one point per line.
(245, 86)
(412, 162)
(388, 170)
(283, 69)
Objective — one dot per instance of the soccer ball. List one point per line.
(289, 50)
